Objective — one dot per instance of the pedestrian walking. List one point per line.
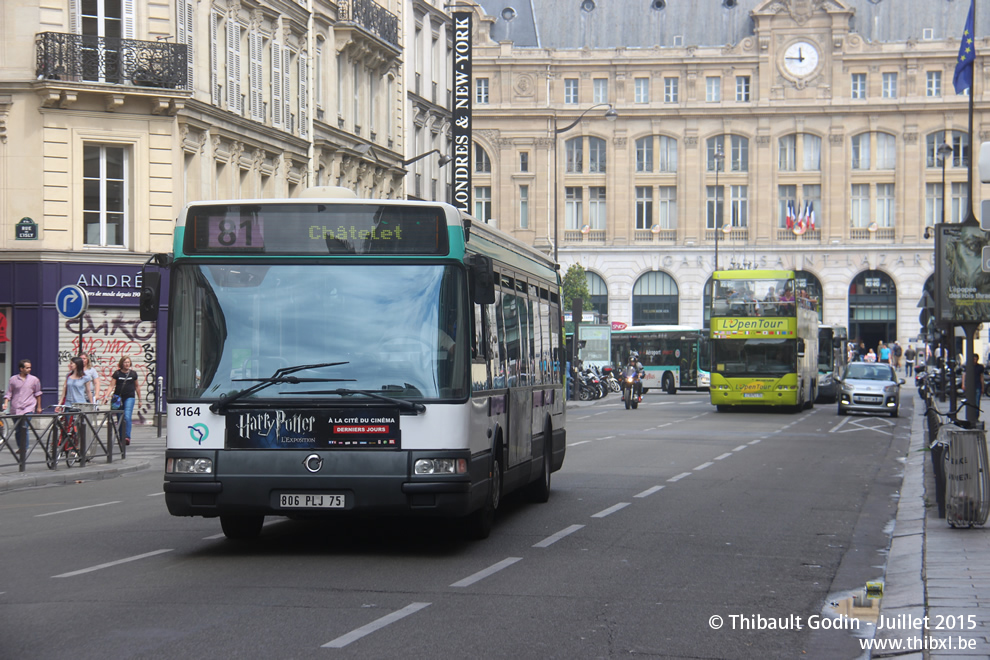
(77, 387)
(23, 395)
(895, 354)
(93, 374)
(979, 369)
(125, 385)
(909, 357)
(870, 356)
(883, 352)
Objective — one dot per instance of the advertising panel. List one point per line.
(962, 285)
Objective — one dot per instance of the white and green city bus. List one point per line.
(832, 359)
(673, 356)
(329, 356)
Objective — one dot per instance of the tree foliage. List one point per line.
(575, 285)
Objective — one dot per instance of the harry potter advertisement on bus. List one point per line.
(346, 428)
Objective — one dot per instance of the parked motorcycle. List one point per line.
(632, 388)
(610, 379)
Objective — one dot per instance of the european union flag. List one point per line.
(962, 79)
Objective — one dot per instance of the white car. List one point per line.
(869, 387)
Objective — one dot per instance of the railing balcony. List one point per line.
(111, 60)
(372, 17)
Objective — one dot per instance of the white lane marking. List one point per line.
(481, 575)
(112, 563)
(156, 494)
(739, 448)
(79, 508)
(377, 624)
(723, 456)
(604, 412)
(703, 466)
(648, 491)
(755, 442)
(845, 420)
(680, 476)
(607, 437)
(663, 425)
(553, 538)
(575, 444)
(612, 509)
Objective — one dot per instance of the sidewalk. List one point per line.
(145, 447)
(933, 570)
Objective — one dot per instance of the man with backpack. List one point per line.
(896, 353)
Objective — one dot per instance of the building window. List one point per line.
(596, 207)
(737, 156)
(644, 154)
(482, 163)
(573, 213)
(524, 207)
(861, 151)
(812, 153)
(642, 90)
(787, 154)
(670, 86)
(574, 156)
(571, 91)
(960, 201)
(889, 82)
(933, 83)
(786, 199)
(596, 155)
(667, 207)
(483, 203)
(886, 151)
(481, 91)
(644, 207)
(742, 88)
(600, 90)
(859, 85)
(713, 89)
(860, 211)
(934, 204)
(959, 142)
(739, 206)
(524, 161)
(713, 208)
(104, 195)
(668, 154)
(885, 204)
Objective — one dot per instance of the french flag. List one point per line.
(789, 218)
(811, 216)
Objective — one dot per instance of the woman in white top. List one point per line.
(93, 374)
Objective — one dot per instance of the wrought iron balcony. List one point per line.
(82, 58)
(372, 17)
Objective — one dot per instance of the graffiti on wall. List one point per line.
(107, 336)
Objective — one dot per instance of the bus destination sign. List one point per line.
(350, 428)
(308, 229)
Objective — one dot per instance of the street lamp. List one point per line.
(444, 158)
(719, 158)
(610, 115)
(943, 152)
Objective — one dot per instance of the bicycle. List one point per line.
(65, 441)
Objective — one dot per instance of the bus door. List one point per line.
(689, 368)
(515, 312)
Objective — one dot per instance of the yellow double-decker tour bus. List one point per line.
(764, 332)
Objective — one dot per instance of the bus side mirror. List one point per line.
(482, 278)
(151, 287)
(800, 347)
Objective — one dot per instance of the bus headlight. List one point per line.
(440, 466)
(189, 466)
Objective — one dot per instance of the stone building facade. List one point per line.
(723, 125)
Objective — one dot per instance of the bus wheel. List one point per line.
(479, 523)
(241, 528)
(668, 383)
(539, 491)
(722, 408)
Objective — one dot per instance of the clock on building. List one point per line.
(801, 58)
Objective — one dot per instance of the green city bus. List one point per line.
(330, 356)
(674, 357)
(764, 333)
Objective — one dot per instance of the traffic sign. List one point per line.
(72, 301)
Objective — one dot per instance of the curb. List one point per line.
(69, 475)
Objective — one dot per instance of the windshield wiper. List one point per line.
(281, 375)
(407, 406)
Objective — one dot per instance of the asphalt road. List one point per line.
(662, 518)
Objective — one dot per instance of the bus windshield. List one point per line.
(399, 329)
(736, 358)
(754, 297)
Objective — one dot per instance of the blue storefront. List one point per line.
(111, 328)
